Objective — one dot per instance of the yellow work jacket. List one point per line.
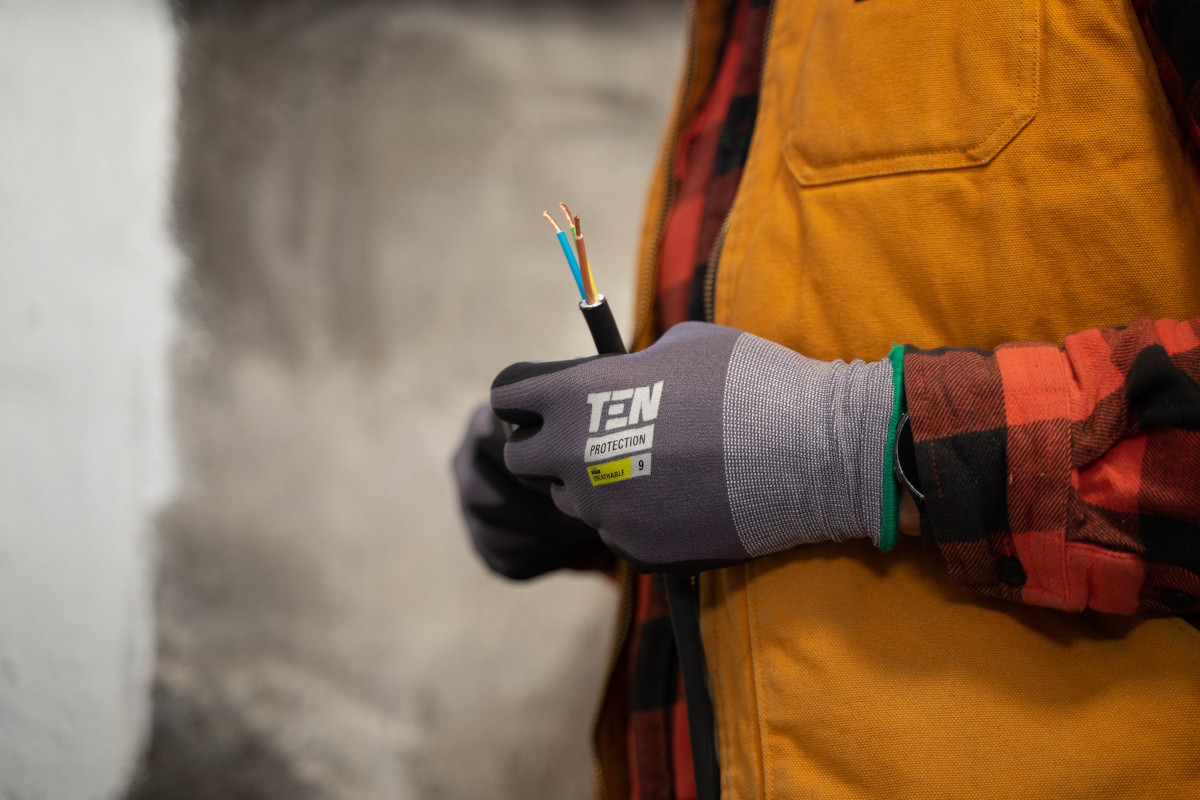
(960, 173)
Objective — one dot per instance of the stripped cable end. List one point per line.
(570, 219)
(589, 282)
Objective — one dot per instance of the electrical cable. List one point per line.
(566, 248)
(683, 596)
(585, 266)
(585, 269)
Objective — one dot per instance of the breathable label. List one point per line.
(620, 470)
(626, 442)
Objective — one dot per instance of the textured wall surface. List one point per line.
(87, 270)
(359, 195)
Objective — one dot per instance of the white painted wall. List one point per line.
(87, 270)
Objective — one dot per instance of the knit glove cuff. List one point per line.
(832, 419)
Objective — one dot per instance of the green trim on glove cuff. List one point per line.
(889, 528)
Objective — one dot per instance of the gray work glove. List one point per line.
(711, 447)
(516, 528)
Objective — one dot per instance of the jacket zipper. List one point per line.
(710, 270)
(714, 255)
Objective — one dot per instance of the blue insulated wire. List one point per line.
(570, 254)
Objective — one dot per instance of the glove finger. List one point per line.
(529, 461)
(493, 437)
(562, 498)
(527, 422)
(525, 370)
(514, 404)
(472, 476)
(518, 555)
(522, 393)
(488, 457)
(524, 554)
(518, 531)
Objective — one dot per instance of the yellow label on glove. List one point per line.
(619, 470)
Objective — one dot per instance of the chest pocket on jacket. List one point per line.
(892, 86)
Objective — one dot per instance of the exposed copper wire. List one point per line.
(585, 268)
(550, 219)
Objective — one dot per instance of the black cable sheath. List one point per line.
(605, 333)
(683, 600)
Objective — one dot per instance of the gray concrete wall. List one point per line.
(359, 194)
(87, 269)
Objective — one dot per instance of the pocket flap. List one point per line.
(892, 86)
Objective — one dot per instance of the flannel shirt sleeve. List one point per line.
(1066, 477)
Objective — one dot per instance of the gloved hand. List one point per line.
(516, 528)
(711, 447)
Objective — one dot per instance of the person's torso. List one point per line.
(965, 175)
